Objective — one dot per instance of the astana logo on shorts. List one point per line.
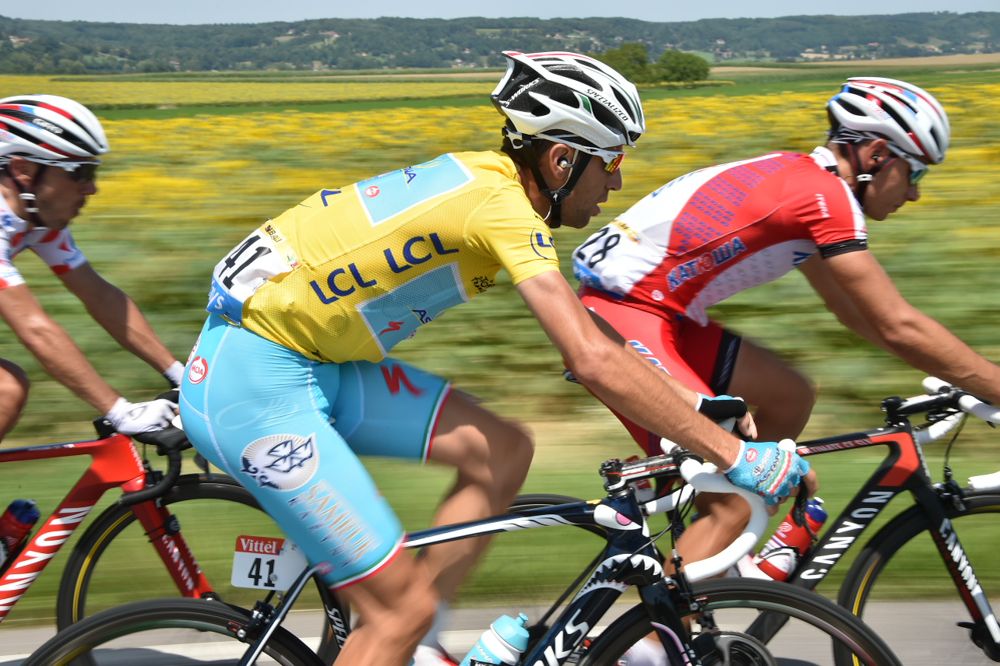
(283, 462)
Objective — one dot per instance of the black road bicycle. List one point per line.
(929, 528)
(694, 623)
(926, 532)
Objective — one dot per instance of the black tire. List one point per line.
(814, 623)
(872, 576)
(165, 631)
(92, 580)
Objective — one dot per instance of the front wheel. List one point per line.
(901, 562)
(113, 562)
(167, 631)
(814, 627)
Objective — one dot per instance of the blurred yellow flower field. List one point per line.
(288, 154)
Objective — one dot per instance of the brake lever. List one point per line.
(799, 508)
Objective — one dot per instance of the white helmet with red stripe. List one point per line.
(49, 128)
(906, 116)
(568, 98)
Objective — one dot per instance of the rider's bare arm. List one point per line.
(606, 328)
(619, 377)
(53, 347)
(118, 315)
(904, 330)
(837, 301)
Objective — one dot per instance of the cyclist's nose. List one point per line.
(616, 180)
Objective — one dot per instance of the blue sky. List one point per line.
(251, 11)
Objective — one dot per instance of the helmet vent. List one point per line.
(627, 104)
(565, 97)
(576, 75)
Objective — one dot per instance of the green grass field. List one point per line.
(173, 201)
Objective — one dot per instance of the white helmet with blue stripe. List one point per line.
(908, 117)
(49, 129)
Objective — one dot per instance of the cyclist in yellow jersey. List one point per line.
(379, 258)
(290, 382)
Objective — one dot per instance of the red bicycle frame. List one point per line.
(115, 462)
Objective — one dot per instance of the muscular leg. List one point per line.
(397, 605)
(491, 456)
(13, 395)
(783, 397)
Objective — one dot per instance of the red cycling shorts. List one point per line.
(700, 357)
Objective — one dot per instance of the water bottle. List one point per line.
(502, 643)
(15, 525)
(790, 541)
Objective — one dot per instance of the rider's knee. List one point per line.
(504, 452)
(14, 383)
(790, 403)
(14, 387)
(521, 446)
(800, 390)
(518, 448)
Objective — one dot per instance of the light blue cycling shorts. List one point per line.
(290, 429)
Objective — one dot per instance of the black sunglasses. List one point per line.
(81, 173)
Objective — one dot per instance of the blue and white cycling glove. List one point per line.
(770, 469)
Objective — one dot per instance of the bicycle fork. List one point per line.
(630, 559)
(984, 628)
(164, 532)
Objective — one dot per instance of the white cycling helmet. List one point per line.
(49, 129)
(568, 98)
(906, 116)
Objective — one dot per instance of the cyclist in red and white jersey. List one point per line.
(655, 270)
(50, 148)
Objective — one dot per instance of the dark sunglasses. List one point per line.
(80, 173)
(917, 168)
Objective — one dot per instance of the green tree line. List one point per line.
(632, 60)
(76, 47)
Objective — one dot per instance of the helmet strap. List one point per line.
(557, 195)
(861, 178)
(28, 196)
(29, 203)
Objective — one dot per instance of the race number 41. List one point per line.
(266, 563)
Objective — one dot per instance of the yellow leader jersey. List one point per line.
(350, 272)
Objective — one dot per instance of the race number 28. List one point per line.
(596, 249)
